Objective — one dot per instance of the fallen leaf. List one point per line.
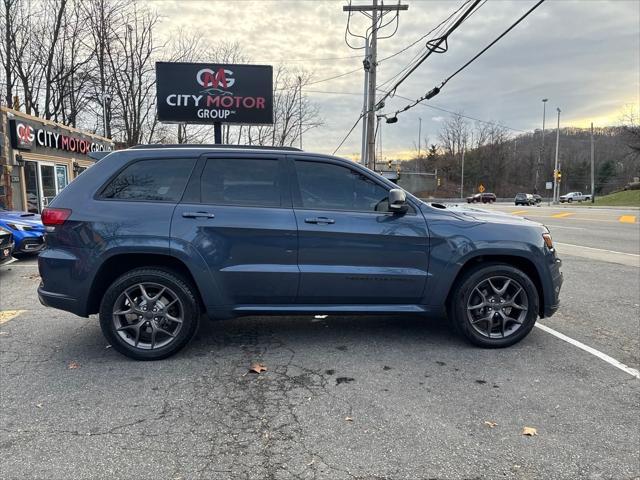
(348, 419)
(257, 368)
(39, 405)
(529, 431)
(490, 424)
(73, 365)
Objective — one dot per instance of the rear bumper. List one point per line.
(60, 301)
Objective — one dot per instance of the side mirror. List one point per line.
(397, 200)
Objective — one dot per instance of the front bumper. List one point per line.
(5, 252)
(552, 294)
(30, 245)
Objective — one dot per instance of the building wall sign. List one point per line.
(214, 93)
(26, 136)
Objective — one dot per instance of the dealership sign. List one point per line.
(214, 93)
(24, 136)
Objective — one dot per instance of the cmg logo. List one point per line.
(25, 133)
(219, 79)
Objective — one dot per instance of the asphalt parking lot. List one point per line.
(342, 397)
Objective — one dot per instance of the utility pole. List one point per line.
(365, 104)
(593, 184)
(541, 151)
(555, 168)
(371, 98)
(106, 98)
(375, 12)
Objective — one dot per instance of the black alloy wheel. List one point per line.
(494, 305)
(149, 314)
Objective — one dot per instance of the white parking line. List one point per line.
(597, 249)
(603, 356)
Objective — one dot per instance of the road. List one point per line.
(343, 398)
(605, 228)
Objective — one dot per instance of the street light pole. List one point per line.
(556, 189)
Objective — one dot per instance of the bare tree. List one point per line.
(131, 60)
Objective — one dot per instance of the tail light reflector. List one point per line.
(54, 216)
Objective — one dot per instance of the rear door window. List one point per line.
(151, 180)
(242, 181)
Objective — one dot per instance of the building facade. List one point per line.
(38, 158)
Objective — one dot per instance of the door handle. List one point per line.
(198, 215)
(320, 220)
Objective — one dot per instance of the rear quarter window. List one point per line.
(150, 180)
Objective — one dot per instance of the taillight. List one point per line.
(54, 216)
(547, 240)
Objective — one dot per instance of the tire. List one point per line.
(570, 200)
(141, 335)
(465, 293)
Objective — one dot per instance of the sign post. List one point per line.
(549, 186)
(209, 93)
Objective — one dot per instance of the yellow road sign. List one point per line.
(481, 188)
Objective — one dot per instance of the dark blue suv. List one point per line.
(153, 236)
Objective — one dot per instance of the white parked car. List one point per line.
(574, 197)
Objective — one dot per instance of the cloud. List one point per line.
(583, 56)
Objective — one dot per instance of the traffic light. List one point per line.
(389, 165)
(559, 176)
(439, 182)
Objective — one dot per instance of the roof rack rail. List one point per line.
(98, 155)
(199, 145)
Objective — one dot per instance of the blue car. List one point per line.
(152, 237)
(27, 230)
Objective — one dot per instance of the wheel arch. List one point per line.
(119, 264)
(519, 262)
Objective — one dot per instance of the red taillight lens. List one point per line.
(54, 216)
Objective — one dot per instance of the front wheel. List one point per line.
(149, 313)
(494, 305)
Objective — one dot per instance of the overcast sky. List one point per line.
(583, 55)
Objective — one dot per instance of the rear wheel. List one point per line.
(149, 313)
(494, 305)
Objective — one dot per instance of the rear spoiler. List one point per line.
(98, 155)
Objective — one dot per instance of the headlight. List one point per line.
(19, 226)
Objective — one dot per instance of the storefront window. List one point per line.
(32, 189)
(61, 176)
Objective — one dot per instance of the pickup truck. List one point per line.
(574, 197)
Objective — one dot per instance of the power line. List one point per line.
(492, 43)
(465, 116)
(424, 36)
(434, 107)
(433, 46)
(433, 92)
(349, 133)
(334, 77)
